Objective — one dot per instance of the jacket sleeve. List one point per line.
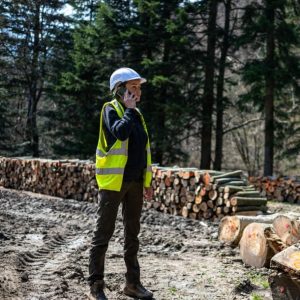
(120, 128)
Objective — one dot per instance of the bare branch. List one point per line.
(242, 125)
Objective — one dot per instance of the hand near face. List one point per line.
(129, 100)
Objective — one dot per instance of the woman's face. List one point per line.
(134, 87)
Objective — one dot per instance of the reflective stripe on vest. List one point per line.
(110, 171)
(110, 164)
(121, 151)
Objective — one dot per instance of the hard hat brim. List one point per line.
(142, 80)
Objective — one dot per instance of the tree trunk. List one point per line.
(160, 146)
(208, 99)
(269, 96)
(34, 88)
(220, 87)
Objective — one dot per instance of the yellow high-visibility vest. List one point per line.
(110, 163)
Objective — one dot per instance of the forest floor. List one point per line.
(44, 250)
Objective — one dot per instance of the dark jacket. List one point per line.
(129, 126)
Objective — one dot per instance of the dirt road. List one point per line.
(44, 245)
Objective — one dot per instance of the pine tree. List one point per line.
(271, 31)
(157, 40)
(227, 38)
(208, 97)
(30, 33)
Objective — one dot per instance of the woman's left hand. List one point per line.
(148, 193)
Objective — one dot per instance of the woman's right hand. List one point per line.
(129, 100)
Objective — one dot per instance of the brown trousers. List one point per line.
(131, 196)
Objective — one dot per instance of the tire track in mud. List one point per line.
(45, 266)
(55, 235)
(45, 242)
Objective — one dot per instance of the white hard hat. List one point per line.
(122, 75)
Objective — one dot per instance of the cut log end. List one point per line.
(288, 229)
(253, 246)
(288, 260)
(229, 229)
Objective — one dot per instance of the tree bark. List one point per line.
(34, 86)
(220, 88)
(208, 99)
(159, 153)
(269, 90)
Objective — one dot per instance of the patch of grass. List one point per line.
(256, 297)
(259, 280)
(172, 290)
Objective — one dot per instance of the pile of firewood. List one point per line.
(278, 188)
(204, 194)
(268, 241)
(73, 179)
(187, 192)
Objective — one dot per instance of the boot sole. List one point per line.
(90, 296)
(127, 293)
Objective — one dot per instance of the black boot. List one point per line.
(96, 291)
(136, 290)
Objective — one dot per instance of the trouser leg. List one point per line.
(131, 210)
(107, 213)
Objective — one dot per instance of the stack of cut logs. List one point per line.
(187, 192)
(278, 188)
(205, 194)
(268, 241)
(63, 178)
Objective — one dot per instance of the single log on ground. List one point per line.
(232, 227)
(287, 228)
(284, 287)
(259, 244)
(288, 260)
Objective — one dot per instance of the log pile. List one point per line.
(278, 188)
(268, 241)
(260, 237)
(231, 228)
(73, 179)
(197, 194)
(187, 192)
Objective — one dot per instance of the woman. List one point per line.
(123, 173)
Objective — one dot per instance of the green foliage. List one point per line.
(258, 279)
(57, 71)
(166, 57)
(285, 69)
(255, 296)
(32, 38)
